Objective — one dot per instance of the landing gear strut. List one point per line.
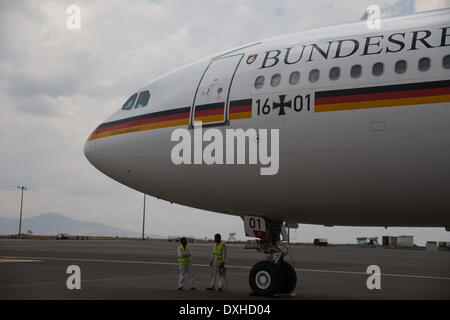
(274, 275)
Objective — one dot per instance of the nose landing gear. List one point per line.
(273, 276)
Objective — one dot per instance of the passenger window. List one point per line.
(355, 71)
(446, 62)
(314, 75)
(377, 69)
(294, 78)
(400, 66)
(259, 82)
(424, 64)
(335, 73)
(130, 102)
(142, 101)
(276, 79)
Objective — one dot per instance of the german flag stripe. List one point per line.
(210, 106)
(388, 88)
(211, 118)
(383, 96)
(240, 109)
(149, 126)
(209, 112)
(240, 115)
(159, 114)
(240, 103)
(241, 106)
(143, 121)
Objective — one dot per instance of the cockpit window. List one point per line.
(142, 101)
(130, 102)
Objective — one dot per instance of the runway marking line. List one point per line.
(9, 260)
(38, 259)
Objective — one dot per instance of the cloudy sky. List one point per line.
(57, 85)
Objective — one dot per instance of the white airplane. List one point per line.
(363, 119)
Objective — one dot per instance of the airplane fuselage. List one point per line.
(363, 118)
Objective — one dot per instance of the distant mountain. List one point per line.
(54, 223)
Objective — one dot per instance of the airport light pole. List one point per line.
(143, 221)
(21, 206)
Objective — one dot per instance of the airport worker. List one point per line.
(185, 264)
(217, 263)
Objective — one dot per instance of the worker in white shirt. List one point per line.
(185, 264)
(217, 263)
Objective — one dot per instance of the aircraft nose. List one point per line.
(89, 151)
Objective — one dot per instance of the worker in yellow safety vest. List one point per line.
(217, 263)
(185, 264)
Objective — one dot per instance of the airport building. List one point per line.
(405, 241)
(431, 246)
(389, 241)
(361, 240)
(444, 244)
(365, 240)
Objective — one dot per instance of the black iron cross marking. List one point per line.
(281, 105)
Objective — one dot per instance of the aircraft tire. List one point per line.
(290, 277)
(266, 279)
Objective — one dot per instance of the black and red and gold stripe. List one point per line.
(212, 112)
(240, 109)
(155, 120)
(383, 96)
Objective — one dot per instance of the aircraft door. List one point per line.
(211, 98)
